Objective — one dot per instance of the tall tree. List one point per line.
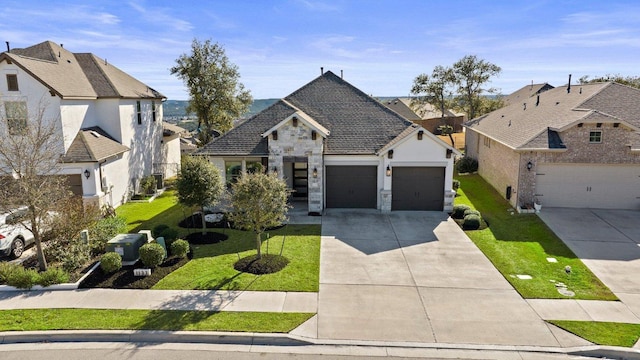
(435, 89)
(30, 150)
(633, 81)
(199, 184)
(216, 95)
(470, 76)
(259, 202)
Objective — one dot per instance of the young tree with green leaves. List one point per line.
(470, 76)
(633, 81)
(435, 89)
(259, 202)
(216, 95)
(199, 184)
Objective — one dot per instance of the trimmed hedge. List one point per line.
(471, 212)
(458, 211)
(111, 262)
(152, 254)
(467, 165)
(471, 222)
(179, 248)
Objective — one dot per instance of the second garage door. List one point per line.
(417, 188)
(351, 186)
(589, 186)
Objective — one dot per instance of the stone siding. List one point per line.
(296, 141)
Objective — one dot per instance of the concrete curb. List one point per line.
(274, 339)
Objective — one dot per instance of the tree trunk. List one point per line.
(42, 262)
(451, 137)
(259, 245)
(204, 223)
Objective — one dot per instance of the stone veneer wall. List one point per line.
(297, 141)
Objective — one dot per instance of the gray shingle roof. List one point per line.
(77, 75)
(358, 124)
(91, 145)
(524, 93)
(518, 127)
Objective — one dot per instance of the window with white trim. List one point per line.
(12, 82)
(16, 114)
(595, 137)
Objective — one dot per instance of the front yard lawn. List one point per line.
(170, 320)
(602, 333)
(519, 244)
(212, 265)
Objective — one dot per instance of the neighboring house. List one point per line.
(337, 147)
(575, 146)
(110, 123)
(172, 136)
(523, 94)
(426, 115)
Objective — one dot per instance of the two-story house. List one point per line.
(110, 123)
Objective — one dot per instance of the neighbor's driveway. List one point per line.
(607, 241)
(415, 276)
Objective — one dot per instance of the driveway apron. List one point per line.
(416, 277)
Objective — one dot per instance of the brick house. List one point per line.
(571, 146)
(337, 147)
(426, 115)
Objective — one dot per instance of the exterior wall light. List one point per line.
(529, 166)
(315, 172)
(420, 133)
(87, 173)
(294, 121)
(390, 154)
(275, 134)
(388, 170)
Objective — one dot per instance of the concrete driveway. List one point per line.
(607, 241)
(415, 276)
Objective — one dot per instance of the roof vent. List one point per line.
(616, 125)
(538, 100)
(321, 70)
(569, 86)
(95, 134)
(524, 106)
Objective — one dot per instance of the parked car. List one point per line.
(14, 237)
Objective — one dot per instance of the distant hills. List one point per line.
(177, 108)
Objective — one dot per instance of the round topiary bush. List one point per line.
(179, 248)
(471, 212)
(458, 211)
(455, 184)
(268, 264)
(467, 165)
(151, 254)
(471, 222)
(110, 262)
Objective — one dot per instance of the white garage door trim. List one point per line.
(588, 186)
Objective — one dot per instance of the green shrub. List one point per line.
(110, 262)
(455, 185)
(22, 278)
(467, 165)
(6, 268)
(169, 235)
(471, 212)
(158, 229)
(70, 253)
(151, 254)
(471, 222)
(179, 248)
(458, 211)
(148, 184)
(103, 231)
(53, 276)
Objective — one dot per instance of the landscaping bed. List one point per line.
(125, 279)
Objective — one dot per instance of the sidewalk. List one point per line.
(201, 300)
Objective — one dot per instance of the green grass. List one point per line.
(521, 243)
(163, 210)
(602, 333)
(212, 265)
(173, 320)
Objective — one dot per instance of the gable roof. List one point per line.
(525, 92)
(92, 145)
(403, 108)
(79, 75)
(357, 123)
(523, 125)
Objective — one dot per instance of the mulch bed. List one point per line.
(195, 222)
(206, 238)
(124, 278)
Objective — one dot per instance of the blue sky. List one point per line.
(381, 45)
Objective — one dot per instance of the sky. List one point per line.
(381, 46)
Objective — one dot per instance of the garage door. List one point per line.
(589, 186)
(417, 188)
(351, 186)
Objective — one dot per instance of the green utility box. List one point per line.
(128, 246)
